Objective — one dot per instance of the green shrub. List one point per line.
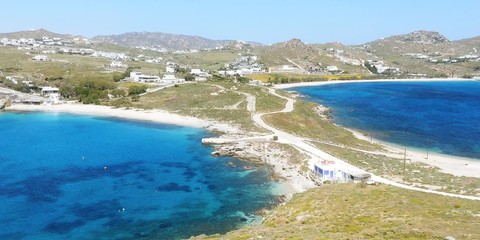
(136, 89)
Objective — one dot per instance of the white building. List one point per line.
(198, 72)
(140, 77)
(40, 58)
(170, 78)
(230, 73)
(332, 68)
(170, 69)
(46, 91)
(330, 171)
(52, 93)
(117, 64)
(283, 69)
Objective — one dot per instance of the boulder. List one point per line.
(3, 103)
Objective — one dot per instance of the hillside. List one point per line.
(162, 40)
(349, 211)
(424, 53)
(425, 37)
(416, 54)
(470, 42)
(313, 58)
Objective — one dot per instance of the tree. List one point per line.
(189, 77)
(118, 92)
(67, 91)
(136, 89)
(117, 77)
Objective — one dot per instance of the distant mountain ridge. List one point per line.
(425, 37)
(36, 34)
(163, 40)
(418, 53)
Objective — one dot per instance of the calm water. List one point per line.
(443, 116)
(79, 177)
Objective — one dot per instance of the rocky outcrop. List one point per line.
(242, 151)
(5, 103)
(425, 37)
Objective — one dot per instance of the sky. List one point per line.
(265, 21)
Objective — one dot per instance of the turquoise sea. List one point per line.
(440, 116)
(82, 177)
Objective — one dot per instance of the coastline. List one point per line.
(308, 84)
(157, 116)
(291, 182)
(455, 165)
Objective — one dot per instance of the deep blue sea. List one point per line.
(439, 116)
(82, 177)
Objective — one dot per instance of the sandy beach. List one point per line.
(307, 84)
(455, 165)
(158, 116)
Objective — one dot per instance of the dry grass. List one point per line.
(349, 211)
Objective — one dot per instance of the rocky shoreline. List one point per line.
(286, 166)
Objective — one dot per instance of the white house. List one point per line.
(170, 69)
(140, 77)
(40, 58)
(256, 82)
(46, 91)
(117, 64)
(170, 78)
(327, 170)
(198, 72)
(332, 68)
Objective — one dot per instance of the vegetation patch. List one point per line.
(349, 211)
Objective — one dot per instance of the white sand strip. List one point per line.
(458, 166)
(157, 116)
(307, 84)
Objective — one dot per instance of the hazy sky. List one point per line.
(265, 21)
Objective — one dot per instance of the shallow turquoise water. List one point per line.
(81, 177)
(440, 116)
